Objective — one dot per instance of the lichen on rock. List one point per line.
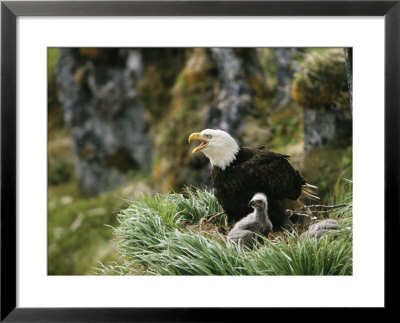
(320, 88)
(98, 94)
(191, 95)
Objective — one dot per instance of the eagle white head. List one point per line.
(218, 146)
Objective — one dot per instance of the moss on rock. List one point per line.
(322, 80)
(192, 93)
(162, 67)
(323, 166)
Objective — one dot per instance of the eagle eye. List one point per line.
(208, 136)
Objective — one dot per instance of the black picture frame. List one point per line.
(11, 10)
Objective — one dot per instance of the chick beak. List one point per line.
(197, 136)
(252, 203)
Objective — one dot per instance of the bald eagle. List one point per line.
(239, 173)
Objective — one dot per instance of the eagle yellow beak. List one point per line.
(197, 136)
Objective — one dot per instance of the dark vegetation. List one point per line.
(181, 91)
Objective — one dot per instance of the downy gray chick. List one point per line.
(317, 230)
(244, 231)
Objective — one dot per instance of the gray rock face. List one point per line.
(104, 116)
(322, 126)
(234, 99)
(285, 70)
(235, 96)
(348, 55)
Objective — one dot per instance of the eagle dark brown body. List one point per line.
(256, 169)
(239, 173)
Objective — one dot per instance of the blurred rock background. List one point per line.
(119, 119)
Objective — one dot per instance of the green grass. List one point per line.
(52, 56)
(76, 231)
(78, 236)
(161, 235)
(333, 162)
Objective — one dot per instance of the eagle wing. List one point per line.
(272, 173)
